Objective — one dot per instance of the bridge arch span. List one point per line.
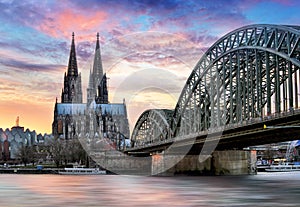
(152, 126)
(247, 74)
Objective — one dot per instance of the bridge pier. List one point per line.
(234, 162)
(229, 162)
(122, 164)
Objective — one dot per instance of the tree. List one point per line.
(65, 151)
(27, 154)
(75, 151)
(56, 150)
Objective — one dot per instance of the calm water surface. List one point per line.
(264, 189)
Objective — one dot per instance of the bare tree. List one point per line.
(75, 152)
(57, 150)
(27, 154)
(63, 151)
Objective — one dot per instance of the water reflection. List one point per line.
(265, 189)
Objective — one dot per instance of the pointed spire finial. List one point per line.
(97, 42)
(72, 66)
(97, 67)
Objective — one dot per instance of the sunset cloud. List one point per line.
(67, 21)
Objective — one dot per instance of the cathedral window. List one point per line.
(60, 127)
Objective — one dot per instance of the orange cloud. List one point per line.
(29, 95)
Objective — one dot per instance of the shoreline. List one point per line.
(29, 171)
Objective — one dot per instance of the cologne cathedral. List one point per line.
(97, 118)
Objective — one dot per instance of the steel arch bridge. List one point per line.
(249, 73)
(152, 126)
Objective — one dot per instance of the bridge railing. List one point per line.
(269, 117)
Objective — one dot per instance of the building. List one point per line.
(11, 140)
(95, 119)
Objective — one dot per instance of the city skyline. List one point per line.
(140, 41)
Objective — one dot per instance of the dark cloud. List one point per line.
(18, 64)
(85, 50)
(5, 88)
(40, 86)
(23, 12)
(36, 46)
(134, 5)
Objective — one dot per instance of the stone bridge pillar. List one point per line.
(168, 165)
(234, 162)
(229, 162)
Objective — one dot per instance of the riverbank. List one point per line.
(29, 171)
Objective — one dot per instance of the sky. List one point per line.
(149, 48)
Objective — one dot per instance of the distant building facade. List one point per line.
(11, 140)
(97, 118)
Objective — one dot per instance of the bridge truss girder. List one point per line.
(152, 126)
(249, 73)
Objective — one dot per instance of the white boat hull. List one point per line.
(82, 171)
(283, 168)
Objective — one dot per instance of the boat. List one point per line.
(262, 165)
(286, 164)
(82, 171)
(283, 168)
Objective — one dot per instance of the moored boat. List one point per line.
(82, 171)
(283, 168)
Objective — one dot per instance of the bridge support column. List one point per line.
(119, 163)
(234, 162)
(161, 163)
(230, 162)
(168, 165)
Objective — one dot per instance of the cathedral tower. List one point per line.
(74, 119)
(96, 75)
(72, 92)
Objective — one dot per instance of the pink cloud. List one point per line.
(68, 21)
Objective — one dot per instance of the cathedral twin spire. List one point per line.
(97, 88)
(72, 92)
(72, 67)
(65, 124)
(97, 68)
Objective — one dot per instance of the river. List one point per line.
(264, 189)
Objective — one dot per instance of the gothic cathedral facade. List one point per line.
(97, 118)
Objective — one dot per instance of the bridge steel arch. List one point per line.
(152, 126)
(249, 73)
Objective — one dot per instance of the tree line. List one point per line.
(59, 152)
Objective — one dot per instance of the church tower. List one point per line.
(102, 95)
(96, 75)
(72, 92)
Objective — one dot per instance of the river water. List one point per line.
(264, 189)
